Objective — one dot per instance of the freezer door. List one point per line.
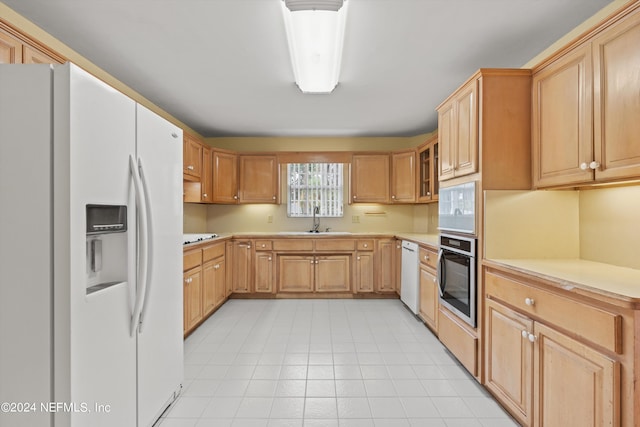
(94, 135)
(160, 342)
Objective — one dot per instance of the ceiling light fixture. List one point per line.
(315, 31)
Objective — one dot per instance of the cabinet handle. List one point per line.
(393, 197)
(584, 166)
(190, 167)
(532, 338)
(365, 245)
(358, 258)
(263, 245)
(205, 195)
(173, 134)
(529, 301)
(235, 197)
(428, 193)
(594, 165)
(426, 257)
(311, 261)
(269, 258)
(525, 334)
(316, 262)
(434, 280)
(355, 197)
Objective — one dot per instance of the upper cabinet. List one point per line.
(370, 178)
(258, 179)
(225, 177)
(458, 130)
(192, 158)
(206, 178)
(13, 50)
(484, 128)
(427, 170)
(586, 108)
(403, 177)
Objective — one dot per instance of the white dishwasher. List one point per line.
(409, 275)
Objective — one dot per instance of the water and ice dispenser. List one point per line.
(106, 246)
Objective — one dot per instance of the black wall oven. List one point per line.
(457, 276)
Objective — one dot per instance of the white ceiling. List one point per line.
(222, 66)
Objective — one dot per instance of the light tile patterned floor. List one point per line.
(324, 363)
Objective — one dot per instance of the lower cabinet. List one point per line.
(309, 273)
(204, 284)
(192, 298)
(429, 300)
(364, 266)
(242, 266)
(264, 272)
(386, 280)
(542, 375)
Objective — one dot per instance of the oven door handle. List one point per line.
(441, 272)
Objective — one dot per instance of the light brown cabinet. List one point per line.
(191, 158)
(204, 283)
(225, 177)
(386, 266)
(429, 294)
(370, 178)
(242, 266)
(403, 177)
(192, 298)
(258, 179)
(586, 109)
(333, 273)
(544, 376)
(427, 169)
(206, 180)
(264, 272)
(459, 132)
(13, 50)
(295, 273)
(314, 273)
(364, 266)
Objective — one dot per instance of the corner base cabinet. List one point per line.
(552, 360)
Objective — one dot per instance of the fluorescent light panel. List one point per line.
(315, 44)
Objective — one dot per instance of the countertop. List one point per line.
(420, 238)
(577, 275)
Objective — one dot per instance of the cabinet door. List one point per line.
(364, 272)
(562, 117)
(264, 272)
(295, 273)
(258, 179)
(509, 359)
(206, 180)
(192, 298)
(616, 59)
(208, 287)
(192, 158)
(10, 49)
(220, 271)
(242, 267)
(333, 273)
(447, 138)
(225, 178)
(428, 297)
(428, 171)
(229, 267)
(574, 385)
(403, 177)
(398, 259)
(466, 142)
(34, 56)
(370, 178)
(386, 266)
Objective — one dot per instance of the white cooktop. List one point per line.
(192, 238)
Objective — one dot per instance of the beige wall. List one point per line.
(599, 224)
(610, 225)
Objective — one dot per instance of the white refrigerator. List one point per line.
(90, 253)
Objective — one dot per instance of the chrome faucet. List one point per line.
(316, 220)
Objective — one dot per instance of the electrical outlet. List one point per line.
(270, 219)
(355, 219)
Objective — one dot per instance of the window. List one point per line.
(315, 184)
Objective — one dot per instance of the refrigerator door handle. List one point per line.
(147, 286)
(142, 246)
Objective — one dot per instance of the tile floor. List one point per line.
(324, 363)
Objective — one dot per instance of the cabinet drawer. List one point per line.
(429, 257)
(191, 259)
(213, 251)
(585, 321)
(264, 245)
(335, 245)
(365, 245)
(293, 245)
(458, 340)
